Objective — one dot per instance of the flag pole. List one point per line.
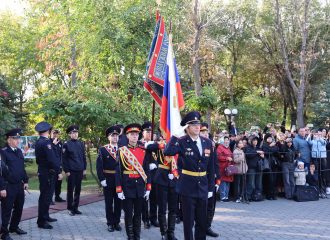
(159, 2)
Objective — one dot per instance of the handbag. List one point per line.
(231, 170)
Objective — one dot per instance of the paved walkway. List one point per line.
(279, 219)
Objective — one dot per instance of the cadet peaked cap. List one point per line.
(134, 127)
(112, 130)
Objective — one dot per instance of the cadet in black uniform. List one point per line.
(212, 200)
(165, 179)
(106, 164)
(14, 181)
(57, 144)
(133, 182)
(196, 175)
(149, 210)
(74, 166)
(48, 167)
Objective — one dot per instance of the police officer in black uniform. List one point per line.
(196, 175)
(212, 200)
(165, 178)
(149, 210)
(57, 144)
(48, 167)
(14, 181)
(74, 166)
(106, 164)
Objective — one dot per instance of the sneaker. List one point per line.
(328, 190)
(238, 200)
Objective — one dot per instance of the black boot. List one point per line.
(137, 228)
(129, 229)
(171, 227)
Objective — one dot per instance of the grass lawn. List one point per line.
(89, 183)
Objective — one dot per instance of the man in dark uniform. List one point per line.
(57, 144)
(74, 166)
(165, 179)
(123, 141)
(14, 181)
(149, 215)
(48, 167)
(106, 164)
(133, 182)
(196, 175)
(212, 200)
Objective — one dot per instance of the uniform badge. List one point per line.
(49, 146)
(207, 152)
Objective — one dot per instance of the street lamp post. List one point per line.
(230, 116)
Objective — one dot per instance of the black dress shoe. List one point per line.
(117, 227)
(17, 231)
(51, 220)
(77, 212)
(59, 199)
(6, 237)
(45, 226)
(154, 223)
(210, 233)
(177, 220)
(72, 213)
(111, 228)
(146, 224)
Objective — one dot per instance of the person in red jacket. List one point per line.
(225, 158)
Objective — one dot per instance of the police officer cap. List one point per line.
(112, 130)
(191, 118)
(147, 126)
(14, 133)
(134, 127)
(72, 128)
(204, 126)
(43, 127)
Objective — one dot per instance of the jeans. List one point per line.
(288, 178)
(254, 182)
(224, 190)
(238, 186)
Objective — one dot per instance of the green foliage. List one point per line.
(255, 110)
(321, 106)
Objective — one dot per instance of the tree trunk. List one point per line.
(73, 64)
(195, 55)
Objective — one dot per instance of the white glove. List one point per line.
(121, 196)
(180, 131)
(146, 195)
(104, 183)
(210, 194)
(216, 187)
(170, 176)
(152, 166)
(148, 143)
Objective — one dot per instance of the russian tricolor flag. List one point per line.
(172, 101)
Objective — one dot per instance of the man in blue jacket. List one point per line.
(196, 175)
(301, 145)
